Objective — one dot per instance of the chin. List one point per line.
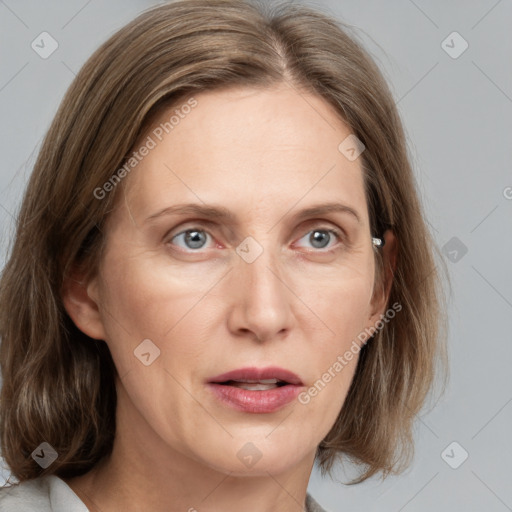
(254, 454)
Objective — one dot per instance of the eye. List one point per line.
(319, 238)
(195, 239)
(192, 238)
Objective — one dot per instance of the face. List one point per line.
(187, 294)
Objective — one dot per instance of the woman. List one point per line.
(221, 272)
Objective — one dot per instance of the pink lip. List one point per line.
(256, 401)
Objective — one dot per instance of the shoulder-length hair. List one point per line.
(58, 384)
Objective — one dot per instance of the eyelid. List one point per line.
(195, 224)
(338, 233)
(327, 225)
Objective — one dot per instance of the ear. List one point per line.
(382, 290)
(80, 300)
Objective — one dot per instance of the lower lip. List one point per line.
(255, 401)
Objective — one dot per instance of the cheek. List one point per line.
(344, 306)
(342, 301)
(353, 310)
(143, 301)
(148, 293)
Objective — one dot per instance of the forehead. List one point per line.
(246, 148)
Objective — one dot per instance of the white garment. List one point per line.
(51, 494)
(44, 494)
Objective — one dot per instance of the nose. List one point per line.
(260, 305)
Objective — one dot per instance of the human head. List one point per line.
(148, 67)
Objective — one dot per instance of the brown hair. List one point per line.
(58, 384)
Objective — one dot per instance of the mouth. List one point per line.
(270, 375)
(255, 385)
(256, 390)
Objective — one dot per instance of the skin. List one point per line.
(265, 155)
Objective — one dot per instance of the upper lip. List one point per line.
(253, 373)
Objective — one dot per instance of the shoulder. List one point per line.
(312, 505)
(44, 494)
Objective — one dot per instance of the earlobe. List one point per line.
(390, 259)
(382, 292)
(81, 305)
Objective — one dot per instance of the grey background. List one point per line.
(457, 114)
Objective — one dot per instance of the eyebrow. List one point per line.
(221, 213)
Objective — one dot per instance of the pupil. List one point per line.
(194, 239)
(319, 236)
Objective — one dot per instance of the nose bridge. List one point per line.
(262, 299)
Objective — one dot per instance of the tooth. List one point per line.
(262, 381)
(254, 387)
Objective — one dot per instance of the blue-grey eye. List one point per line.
(320, 238)
(193, 238)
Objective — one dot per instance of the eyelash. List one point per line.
(332, 231)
